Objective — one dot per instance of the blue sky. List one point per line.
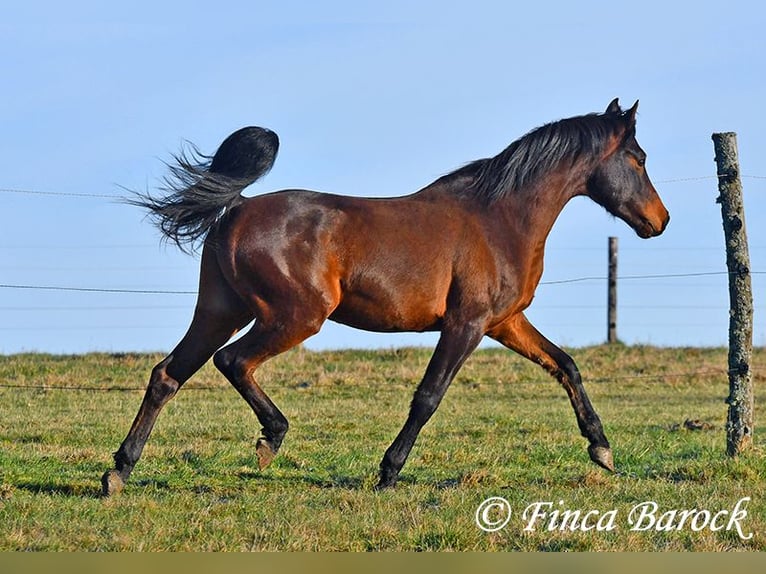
(367, 100)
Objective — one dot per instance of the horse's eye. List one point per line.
(641, 161)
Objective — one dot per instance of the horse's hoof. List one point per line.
(387, 480)
(602, 456)
(384, 485)
(265, 453)
(111, 483)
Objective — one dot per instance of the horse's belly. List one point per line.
(389, 314)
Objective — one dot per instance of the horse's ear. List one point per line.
(630, 115)
(613, 107)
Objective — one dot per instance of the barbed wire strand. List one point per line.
(96, 289)
(378, 385)
(184, 292)
(60, 193)
(20, 191)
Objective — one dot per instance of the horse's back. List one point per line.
(376, 264)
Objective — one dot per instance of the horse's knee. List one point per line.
(564, 369)
(570, 371)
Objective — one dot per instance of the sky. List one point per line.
(368, 100)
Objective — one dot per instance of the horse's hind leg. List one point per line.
(239, 360)
(219, 314)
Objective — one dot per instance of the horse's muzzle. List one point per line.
(654, 220)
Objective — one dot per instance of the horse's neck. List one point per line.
(531, 212)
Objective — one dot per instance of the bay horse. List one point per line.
(462, 256)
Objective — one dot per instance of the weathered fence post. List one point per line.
(611, 299)
(739, 424)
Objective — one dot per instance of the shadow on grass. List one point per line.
(343, 482)
(70, 490)
(252, 479)
(346, 482)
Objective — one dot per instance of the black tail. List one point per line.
(200, 189)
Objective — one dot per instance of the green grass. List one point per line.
(504, 429)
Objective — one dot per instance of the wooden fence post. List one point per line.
(739, 424)
(611, 300)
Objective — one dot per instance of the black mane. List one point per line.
(536, 153)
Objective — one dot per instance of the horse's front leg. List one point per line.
(519, 335)
(454, 347)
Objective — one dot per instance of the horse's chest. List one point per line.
(516, 285)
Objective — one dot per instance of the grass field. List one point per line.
(504, 429)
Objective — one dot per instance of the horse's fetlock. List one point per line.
(276, 432)
(388, 478)
(124, 462)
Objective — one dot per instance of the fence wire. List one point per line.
(388, 385)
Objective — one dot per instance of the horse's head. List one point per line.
(620, 183)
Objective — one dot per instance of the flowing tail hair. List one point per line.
(200, 189)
